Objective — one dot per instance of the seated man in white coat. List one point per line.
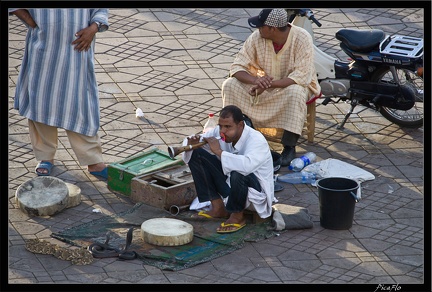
(236, 170)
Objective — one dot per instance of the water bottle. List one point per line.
(302, 177)
(210, 124)
(297, 164)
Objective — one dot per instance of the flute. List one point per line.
(174, 151)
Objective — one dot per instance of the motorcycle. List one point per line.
(384, 72)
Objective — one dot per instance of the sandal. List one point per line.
(44, 165)
(103, 173)
(236, 226)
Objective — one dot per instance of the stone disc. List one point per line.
(74, 195)
(166, 232)
(42, 196)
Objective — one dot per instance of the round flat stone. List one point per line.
(166, 232)
(74, 195)
(42, 196)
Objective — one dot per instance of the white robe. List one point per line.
(251, 154)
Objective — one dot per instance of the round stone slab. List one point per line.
(42, 196)
(74, 195)
(166, 232)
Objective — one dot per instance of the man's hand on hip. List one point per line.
(84, 38)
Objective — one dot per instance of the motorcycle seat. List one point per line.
(362, 41)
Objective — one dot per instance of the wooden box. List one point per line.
(120, 174)
(165, 188)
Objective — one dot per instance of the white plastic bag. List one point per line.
(335, 168)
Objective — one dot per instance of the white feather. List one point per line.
(139, 113)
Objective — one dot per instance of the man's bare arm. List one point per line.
(261, 82)
(25, 16)
(282, 83)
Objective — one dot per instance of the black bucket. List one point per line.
(337, 198)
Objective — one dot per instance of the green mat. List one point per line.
(205, 246)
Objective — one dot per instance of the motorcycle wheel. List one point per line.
(412, 118)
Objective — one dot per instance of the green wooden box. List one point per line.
(121, 173)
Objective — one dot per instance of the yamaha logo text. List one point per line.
(392, 61)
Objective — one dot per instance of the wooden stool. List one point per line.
(254, 217)
(310, 121)
(275, 135)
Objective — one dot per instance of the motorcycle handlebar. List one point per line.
(305, 12)
(309, 14)
(315, 21)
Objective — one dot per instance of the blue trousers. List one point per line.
(210, 181)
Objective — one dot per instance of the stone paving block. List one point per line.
(171, 63)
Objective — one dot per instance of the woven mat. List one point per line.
(205, 246)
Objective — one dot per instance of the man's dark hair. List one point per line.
(283, 28)
(232, 111)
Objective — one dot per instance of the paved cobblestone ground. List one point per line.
(171, 64)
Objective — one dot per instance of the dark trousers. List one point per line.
(289, 138)
(210, 181)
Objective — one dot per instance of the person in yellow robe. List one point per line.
(273, 76)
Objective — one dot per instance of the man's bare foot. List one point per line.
(234, 223)
(96, 167)
(215, 214)
(218, 209)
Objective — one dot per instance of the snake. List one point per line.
(104, 250)
(77, 256)
(82, 256)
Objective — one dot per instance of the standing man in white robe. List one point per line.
(273, 76)
(57, 86)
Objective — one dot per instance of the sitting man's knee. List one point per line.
(229, 82)
(197, 153)
(295, 89)
(236, 176)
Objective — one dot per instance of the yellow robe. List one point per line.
(279, 108)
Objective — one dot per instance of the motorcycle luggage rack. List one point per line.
(403, 46)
